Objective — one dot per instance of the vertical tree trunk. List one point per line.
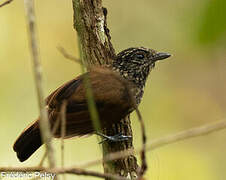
(90, 24)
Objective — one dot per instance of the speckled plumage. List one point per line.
(110, 91)
(134, 64)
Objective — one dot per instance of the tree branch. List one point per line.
(69, 170)
(163, 141)
(54, 129)
(63, 129)
(68, 56)
(187, 134)
(5, 3)
(90, 23)
(44, 123)
(144, 165)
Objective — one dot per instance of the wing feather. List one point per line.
(110, 94)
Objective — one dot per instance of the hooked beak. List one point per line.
(161, 56)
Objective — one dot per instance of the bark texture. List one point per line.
(91, 26)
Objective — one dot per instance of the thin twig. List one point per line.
(91, 103)
(67, 55)
(43, 159)
(144, 165)
(5, 3)
(89, 92)
(187, 134)
(44, 123)
(63, 131)
(54, 129)
(69, 170)
(161, 142)
(56, 125)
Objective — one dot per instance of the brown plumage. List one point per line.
(112, 91)
(112, 101)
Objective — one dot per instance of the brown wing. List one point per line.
(61, 93)
(110, 94)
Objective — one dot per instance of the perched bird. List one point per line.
(110, 87)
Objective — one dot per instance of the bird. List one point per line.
(112, 87)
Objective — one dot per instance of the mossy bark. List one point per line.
(91, 26)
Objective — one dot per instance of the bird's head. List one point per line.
(135, 64)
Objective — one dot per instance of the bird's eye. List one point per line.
(140, 56)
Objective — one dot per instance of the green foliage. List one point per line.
(212, 26)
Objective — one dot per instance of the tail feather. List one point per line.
(28, 142)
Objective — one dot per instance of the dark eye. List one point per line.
(140, 56)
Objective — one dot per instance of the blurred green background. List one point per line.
(184, 91)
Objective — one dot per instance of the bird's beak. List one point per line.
(161, 56)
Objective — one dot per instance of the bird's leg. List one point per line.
(115, 138)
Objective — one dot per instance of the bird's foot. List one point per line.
(116, 138)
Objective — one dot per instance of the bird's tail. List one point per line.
(28, 142)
